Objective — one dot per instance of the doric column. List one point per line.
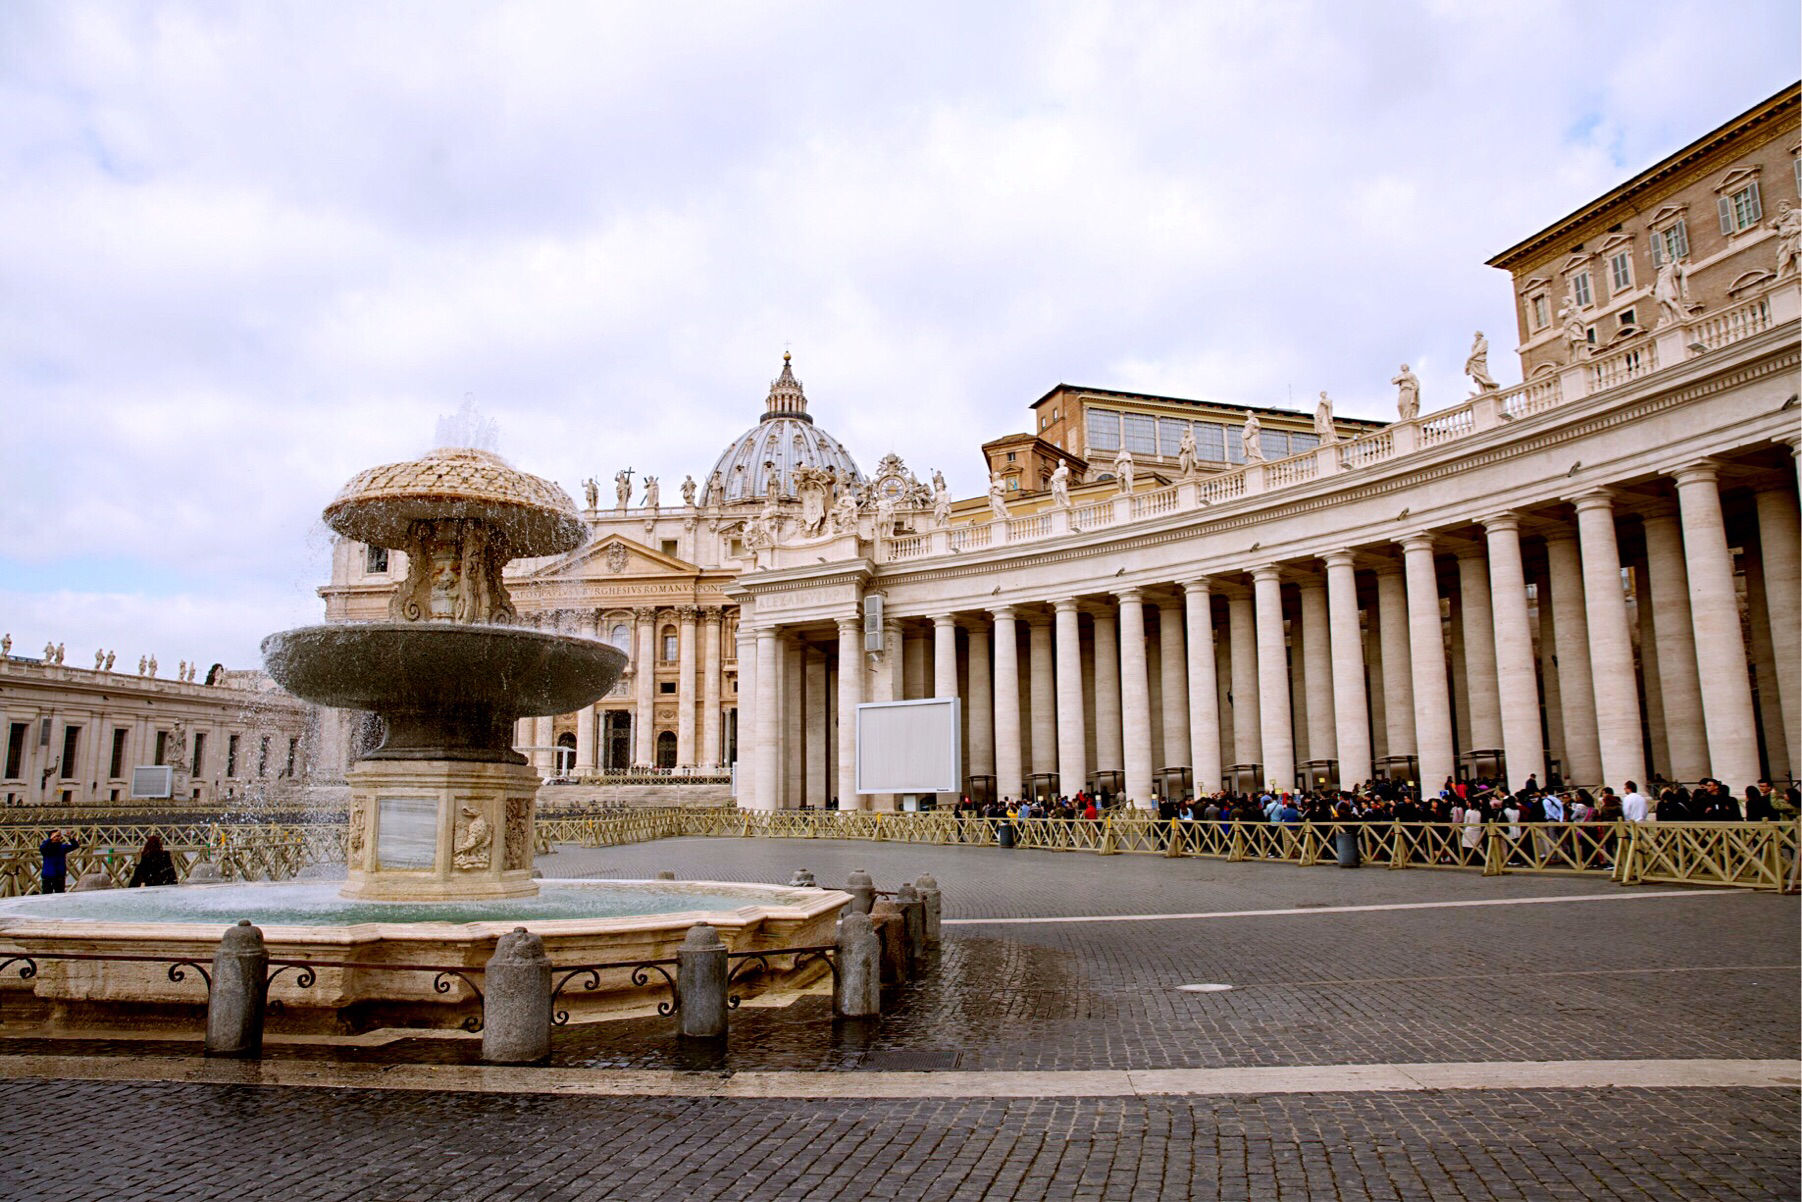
(645, 682)
(543, 735)
(1780, 553)
(1241, 633)
(916, 672)
(1517, 683)
(1042, 695)
(1135, 698)
(585, 715)
(1576, 689)
(1317, 672)
(749, 688)
(1204, 696)
(1351, 715)
(815, 788)
(685, 685)
(1398, 664)
(766, 742)
(1110, 753)
(794, 722)
(1714, 611)
(1173, 673)
(1481, 688)
(1611, 644)
(944, 656)
(1674, 644)
(1764, 667)
(981, 705)
(1072, 732)
(710, 688)
(1277, 739)
(1009, 771)
(1546, 648)
(1426, 654)
(850, 696)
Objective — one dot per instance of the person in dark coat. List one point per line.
(55, 851)
(154, 865)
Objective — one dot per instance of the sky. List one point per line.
(247, 250)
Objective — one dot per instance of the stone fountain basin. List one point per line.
(442, 666)
(136, 995)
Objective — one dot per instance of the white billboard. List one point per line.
(910, 746)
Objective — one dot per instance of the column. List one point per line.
(685, 686)
(1576, 689)
(644, 667)
(815, 789)
(1351, 715)
(1780, 553)
(850, 696)
(1764, 668)
(585, 717)
(1398, 678)
(1714, 611)
(1611, 644)
(794, 723)
(1135, 698)
(1277, 739)
(1482, 689)
(1110, 754)
(1241, 633)
(766, 741)
(1317, 672)
(1426, 655)
(1072, 731)
(982, 703)
(1517, 683)
(749, 711)
(1674, 644)
(1204, 697)
(543, 736)
(1546, 648)
(914, 682)
(944, 656)
(1043, 695)
(1173, 672)
(1009, 772)
(710, 688)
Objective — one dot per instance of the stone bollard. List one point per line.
(516, 1002)
(205, 872)
(935, 904)
(857, 991)
(862, 890)
(701, 971)
(666, 875)
(913, 920)
(88, 881)
(803, 879)
(891, 929)
(240, 993)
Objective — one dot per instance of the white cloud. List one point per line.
(252, 250)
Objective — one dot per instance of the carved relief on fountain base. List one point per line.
(441, 830)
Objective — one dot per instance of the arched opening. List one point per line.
(666, 749)
(566, 753)
(616, 740)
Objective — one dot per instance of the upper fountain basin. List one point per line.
(378, 506)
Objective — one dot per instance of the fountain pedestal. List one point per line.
(440, 830)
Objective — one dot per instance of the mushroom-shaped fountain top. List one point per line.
(380, 505)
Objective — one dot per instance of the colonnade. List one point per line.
(1595, 641)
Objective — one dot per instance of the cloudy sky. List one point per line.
(247, 250)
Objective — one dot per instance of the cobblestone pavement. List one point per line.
(1705, 974)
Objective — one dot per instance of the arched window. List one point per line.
(616, 740)
(621, 636)
(566, 752)
(666, 749)
(669, 644)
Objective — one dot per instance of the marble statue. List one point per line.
(688, 491)
(6, 645)
(1123, 469)
(1060, 485)
(1670, 289)
(1788, 224)
(844, 512)
(1407, 396)
(61, 653)
(472, 837)
(181, 670)
(1323, 419)
(716, 490)
(997, 496)
(1476, 366)
(153, 665)
(109, 661)
(592, 491)
(1576, 337)
(886, 505)
(141, 666)
(941, 500)
(1186, 457)
(99, 659)
(622, 487)
(1253, 438)
(653, 493)
(49, 653)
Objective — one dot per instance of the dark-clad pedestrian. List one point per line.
(155, 866)
(55, 851)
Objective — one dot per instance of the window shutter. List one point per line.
(1754, 210)
(1680, 239)
(1657, 248)
(1726, 209)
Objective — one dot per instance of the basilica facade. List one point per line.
(1594, 576)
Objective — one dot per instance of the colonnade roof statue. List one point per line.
(765, 458)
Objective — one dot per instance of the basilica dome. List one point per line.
(763, 459)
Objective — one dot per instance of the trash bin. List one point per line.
(1345, 842)
(1004, 835)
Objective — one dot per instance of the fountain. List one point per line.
(440, 842)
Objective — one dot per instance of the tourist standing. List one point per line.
(155, 866)
(55, 851)
(1633, 804)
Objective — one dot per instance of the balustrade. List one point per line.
(1729, 326)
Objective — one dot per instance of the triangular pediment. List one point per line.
(1739, 177)
(1667, 214)
(1575, 263)
(611, 556)
(1614, 242)
(1534, 284)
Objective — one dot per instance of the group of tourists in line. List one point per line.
(155, 865)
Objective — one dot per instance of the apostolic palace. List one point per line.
(1593, 576)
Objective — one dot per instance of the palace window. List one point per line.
(669, 644)
(669, 546)
(231, 756)
(1170, 436)
(1620, 268)
(1579, 288)
(666, 686)
(293, 754)
(162, 749)
(15, 751)
(1275, 443)
(71, 744)
(621, 636)
(117, 765)
(375, 559)
(262, 757)
(1235, 444)
(198, 767)
(1140, 433)
(1672, 243)
(1210, 441)
(1104, 430)
(1741, 210)
(1628, 319)
(1539, 316)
